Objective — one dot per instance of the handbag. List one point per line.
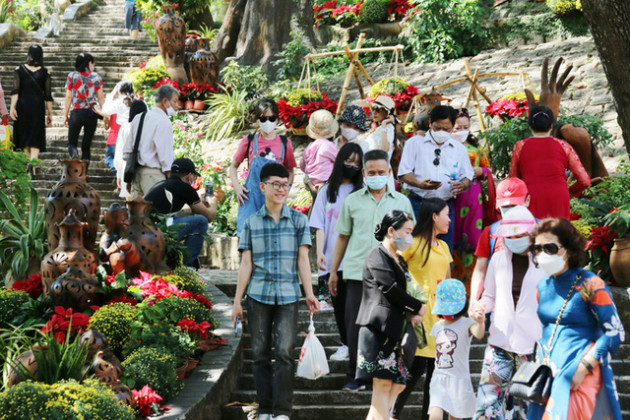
(532, 381)
(408, 344)
(132, 163)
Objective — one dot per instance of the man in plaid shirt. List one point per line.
(274, 243)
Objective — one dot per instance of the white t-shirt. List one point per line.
(374, 139)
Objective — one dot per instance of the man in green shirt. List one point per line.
(361, 212)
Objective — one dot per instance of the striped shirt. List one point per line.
(274, 246)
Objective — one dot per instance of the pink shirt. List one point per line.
(270, 149)
(513, 329)
(318, 159)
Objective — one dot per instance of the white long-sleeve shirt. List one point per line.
(512, 329)
(156, 142)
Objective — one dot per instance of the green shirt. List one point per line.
(359, 216)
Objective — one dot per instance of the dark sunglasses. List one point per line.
(438, 153)
(549, 249)
(273, 118)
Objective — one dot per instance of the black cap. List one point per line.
(184, 166)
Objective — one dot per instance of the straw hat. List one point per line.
(322, 125)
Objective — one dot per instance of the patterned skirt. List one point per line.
(378, 357)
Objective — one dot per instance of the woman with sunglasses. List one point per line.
(429, 262)
(541, 161)
(510, 294)
(346, 178)
(587, 334)
(259, 149)
(473, 208)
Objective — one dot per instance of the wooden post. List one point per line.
(344, 90)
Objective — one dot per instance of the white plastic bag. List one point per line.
(313, 363)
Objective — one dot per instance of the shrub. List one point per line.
(229, 114)
(374, 11)
(145, 78)
(175, 308)
(185, 278)
(26, 400)
(390, 86)
(565, 7)
(303, 96)
(14, 180)
(10, 303)
(250, 79)
(154, 367)
(114, 321)
(290, 59)
(161, 334)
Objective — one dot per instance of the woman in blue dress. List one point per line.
(587, 335)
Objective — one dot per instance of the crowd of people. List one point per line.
(414, 261)
(413, 276)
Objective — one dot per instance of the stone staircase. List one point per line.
(323, 398)
(100, 33)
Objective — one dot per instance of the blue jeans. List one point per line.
(277, 325)
(448, 237)
(110, 150)
(191, 230)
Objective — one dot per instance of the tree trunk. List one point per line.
(608, 21)
(225, 41)
(266, 28)
(203, 19)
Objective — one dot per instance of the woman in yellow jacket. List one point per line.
(429, 262)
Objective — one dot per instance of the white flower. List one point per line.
(615, 327)
(388, 363)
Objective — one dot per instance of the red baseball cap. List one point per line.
(511, 192)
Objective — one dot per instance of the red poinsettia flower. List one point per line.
(123, 299)
(31, 285)
(601, 238)
(62, 319)
(166, 81)
(147, 399)
(192, 327)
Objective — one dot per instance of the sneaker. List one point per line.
(324, 306)
(281, 417)
(341, 354)
(265, 416)
(353, 386)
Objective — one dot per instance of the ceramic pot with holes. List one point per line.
(75, 289)
(73, 192)
(145, 234)
(171, 32)
(95, 341)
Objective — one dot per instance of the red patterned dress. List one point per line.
(541, 162)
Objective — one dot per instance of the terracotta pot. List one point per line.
(199, 105)
(204, 68)
(208, 344)
(145, 234)
(29, 361)
(188, 105)
(181, 372)
(180, 104)
(70, 252)
(73, 192)
(95, 341)
(191, 364)
(171, 32)
(123, 393)
(620, 262)
(75, 289)
(106, 368)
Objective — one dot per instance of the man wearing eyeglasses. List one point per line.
(274, 243)
(436, 165)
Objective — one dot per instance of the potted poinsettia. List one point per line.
(296, 108)
(618, 220)
(398, 89)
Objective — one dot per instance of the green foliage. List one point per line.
(27, 14)
(390, 86)
(205, 32)
(189, 10)
(175, 308)
(66, 400)
(175, 250)
(565, 7)
(339, 63)
(598, 200)
(146, 78)
(15, 182)
(154, 367)
(185, 278)
(374, 11)
(11, 302)
(302, 96)
(290, 60)
(249, 79)
(114, 322)
(225, 220)
(14, 341)
(447, 29)
(228, 115)
(23, 235)
(619, 220)
(160, 335)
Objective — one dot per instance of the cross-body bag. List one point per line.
(34, 81)
(132, 163)
(532, 381)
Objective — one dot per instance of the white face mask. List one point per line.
(440, 136)
(460, 136)
(403, 242)
(517, 245)
(349, 133)
(267, 126)
(550, 264)
(170, 111)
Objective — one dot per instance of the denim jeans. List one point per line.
(273, 325)
(110, 150)
(191, 231)
(448, 237)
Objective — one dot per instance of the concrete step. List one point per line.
(316, 412)
(325, 398)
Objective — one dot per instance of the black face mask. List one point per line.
(350, 171)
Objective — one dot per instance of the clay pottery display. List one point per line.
(105, 368)
(29, 361)
(75, 289)
(145, 234)
(188, 105)
(95, 341)
(181, 372)
(171, 32)
(620, 262)
(208, 344)
(204, 68)
(123, 393)
(73, 192)
(199, 105)
(191, 365)
(69, 252)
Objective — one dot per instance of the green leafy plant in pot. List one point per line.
(619, 221)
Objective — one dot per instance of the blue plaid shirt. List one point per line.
(274, 246)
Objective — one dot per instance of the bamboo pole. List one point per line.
(364, 72)
(355, 72)
(359, 50)
(346, 85)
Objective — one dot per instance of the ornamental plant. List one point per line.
(185, 278)
(31, 285)
(296, 108)
(11, 302)
(114, 321)
(154, 367)
(145, 78)
(396, 88)
(148, 401)
(565, 7)
(176, 308)
(64, 321)
(374, 11)
(160, 334)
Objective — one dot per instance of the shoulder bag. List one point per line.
(532, 381)
(132, 163)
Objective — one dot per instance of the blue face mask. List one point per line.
(376, 182)
(517, 245)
